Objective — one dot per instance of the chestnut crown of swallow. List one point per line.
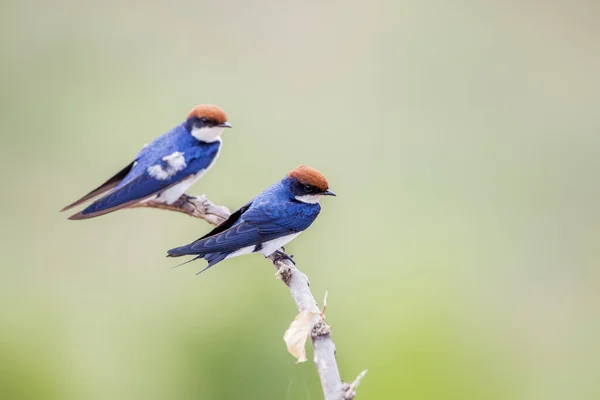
(208, 112)
(309, 176)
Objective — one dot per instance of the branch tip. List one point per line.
(350, 389)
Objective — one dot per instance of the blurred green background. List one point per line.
(461, 254)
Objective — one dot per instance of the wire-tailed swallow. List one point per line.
(267, 222)
(164, 169)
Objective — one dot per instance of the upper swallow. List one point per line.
(267, 222)
(164, 169)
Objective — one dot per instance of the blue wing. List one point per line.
(252, 227)
(140, 184)
(237, 237)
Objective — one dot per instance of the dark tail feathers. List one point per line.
(212, 258)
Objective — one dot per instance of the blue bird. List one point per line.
(267, 222)
(164, 169)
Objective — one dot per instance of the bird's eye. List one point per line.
(308, 188)
(204, 120)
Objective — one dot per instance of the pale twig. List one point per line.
(299, 286)
(350, 390)
(195, 206)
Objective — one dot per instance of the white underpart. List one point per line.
(309, 198)
(242, 251)
(268, 247)
(170, 195)
(272, 245)
(207, 134)
(175, 163)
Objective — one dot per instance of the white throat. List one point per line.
(207, 134)
(309, 198)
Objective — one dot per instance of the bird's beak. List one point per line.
(225, 125)
(328, 193)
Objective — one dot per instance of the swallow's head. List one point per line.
(308, 185)
(207, 122)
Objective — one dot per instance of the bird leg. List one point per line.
(281, 255)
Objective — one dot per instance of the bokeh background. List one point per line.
(461, 254)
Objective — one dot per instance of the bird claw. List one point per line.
(281, 255)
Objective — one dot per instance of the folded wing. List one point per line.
(146, 185)
(252, 226)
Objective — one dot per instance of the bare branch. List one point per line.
(195, 206)
(299, 286)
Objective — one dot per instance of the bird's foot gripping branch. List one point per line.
(310, 320)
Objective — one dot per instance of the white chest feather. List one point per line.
(207, 134)
(309, 198)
